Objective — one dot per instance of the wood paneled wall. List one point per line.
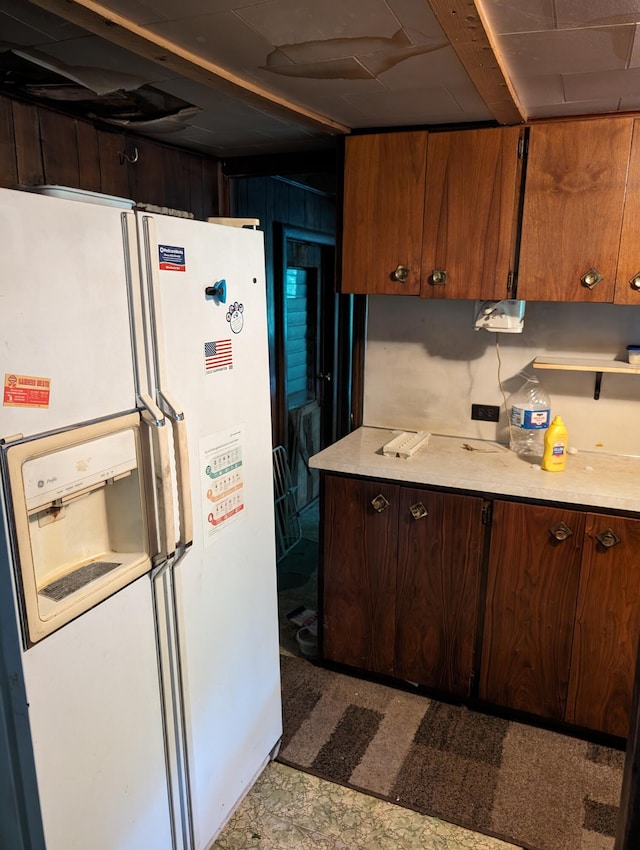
(40, 145)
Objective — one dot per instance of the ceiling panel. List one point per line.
(242, 77)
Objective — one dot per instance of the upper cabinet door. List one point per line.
(383, 205)
(471, 209)
(628, 277)
(573, 204)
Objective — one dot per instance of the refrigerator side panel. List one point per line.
(217, 369)
(94, 706)
(64, 314)
(20, 818)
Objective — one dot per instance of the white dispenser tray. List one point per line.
(406, 444)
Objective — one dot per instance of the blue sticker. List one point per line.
(171, 258)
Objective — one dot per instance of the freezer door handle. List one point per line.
(164, 398)
(154, 418)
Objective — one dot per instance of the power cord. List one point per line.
(504, 396)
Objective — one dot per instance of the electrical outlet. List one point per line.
(485, 412)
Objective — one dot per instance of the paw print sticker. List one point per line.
(235, 317)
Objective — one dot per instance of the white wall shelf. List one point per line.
(576, 364)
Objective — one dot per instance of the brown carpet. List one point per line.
(534, 788)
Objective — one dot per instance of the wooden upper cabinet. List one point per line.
(627, 289)
(471, 210)
(573, 206)
(384, 184)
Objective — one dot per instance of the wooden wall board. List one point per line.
(59, 142)
(8, 164)
(88, 157)
(26, 126)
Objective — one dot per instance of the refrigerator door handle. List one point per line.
(165, 400)
(183, 477)
(154, 418)
(173, 698)
(134, 287)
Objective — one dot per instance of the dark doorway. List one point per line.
(312, 325)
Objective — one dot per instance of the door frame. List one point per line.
(282, 234)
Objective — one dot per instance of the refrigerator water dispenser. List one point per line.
(80, 521)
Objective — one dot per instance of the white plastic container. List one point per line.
(68, 193)
(529, 417)
(633, 354)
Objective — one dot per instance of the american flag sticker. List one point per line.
(218, 355)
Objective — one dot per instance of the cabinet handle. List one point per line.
(634, 283)
(418, 510)
(438, 277)
(607, 538)
(591, 278)
(380, 503)
(401, 273)
(560, 531)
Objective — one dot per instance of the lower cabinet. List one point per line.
(401, 581)
(607, 626)
(562, 617)
(359, 574)
(549, 610)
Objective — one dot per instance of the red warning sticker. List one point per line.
(26, 391)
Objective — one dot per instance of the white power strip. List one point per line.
(406, 444)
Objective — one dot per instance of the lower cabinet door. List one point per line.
(437, 591)
(532, 589)
(607, 626)
(358, 583)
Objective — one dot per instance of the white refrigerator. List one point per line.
(140, 671)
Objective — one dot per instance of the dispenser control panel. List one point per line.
(66, 472)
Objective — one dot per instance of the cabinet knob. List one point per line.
(634, 283)
(379, 503)
(418, 510)
(591, 278)
(401, 273)
(607, 538)
(438, 277)
(560, 531)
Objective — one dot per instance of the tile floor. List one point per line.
(290, 810)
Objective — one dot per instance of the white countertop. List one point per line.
(591, 480)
